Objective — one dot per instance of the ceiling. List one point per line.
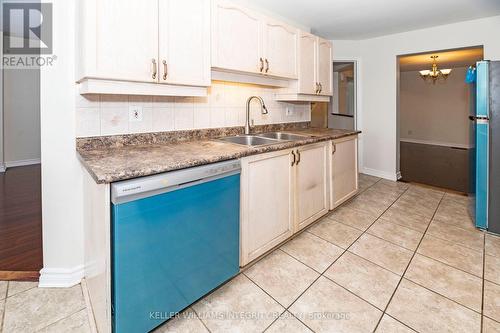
(360, 19)
(446, 59)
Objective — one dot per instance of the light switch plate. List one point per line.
(135, 113)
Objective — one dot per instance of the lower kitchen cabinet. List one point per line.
(343, 170)
(266, 203)
(281, 193)
(312, 188)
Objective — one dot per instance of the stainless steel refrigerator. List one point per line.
(486, 117)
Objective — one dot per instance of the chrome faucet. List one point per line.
(263, 110)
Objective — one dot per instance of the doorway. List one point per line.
(20, 176)
(342, 106)
(434, 101)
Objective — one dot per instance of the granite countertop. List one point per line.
(108, 163)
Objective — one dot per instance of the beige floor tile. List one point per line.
(185, 322)
(394, 233)
(367, 206)
(350, 313)
(391, 325)
(460, 257)
(313, 251)
(469, 238)
(425, 192)
(493, 245)
(234, 301)
(492, 269)
(450, 282)
(2, 306)
(365, 181)
(462, 199)
(413, 221)
(352, 217)
(37, 308)
(426, 311)
(492, 300)
(76, 323)
(382, 194)
(289, 324)
(411, 207)
(490, 326)
(3, 289)
(383, 253)
(282, 276)
(455, 216)
(18, 287)
(337, 233)
(365, 279)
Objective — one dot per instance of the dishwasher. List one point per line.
(175, 237)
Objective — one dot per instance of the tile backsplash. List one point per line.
(99, 115)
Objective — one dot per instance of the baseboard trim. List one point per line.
(2, 167)
(437, 143)
(380, 174)
(61, 277)
(13, 164)
(398, 175)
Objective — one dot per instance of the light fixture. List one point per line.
(434, 74)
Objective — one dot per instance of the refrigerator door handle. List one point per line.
(474, 118)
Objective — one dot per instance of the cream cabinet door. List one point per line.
(184, 42)
(266, 203)
(312, 188)
(236, 38)
(325, 67)
(307, 63)
(280, 49)
(126, 40)
(344, 170)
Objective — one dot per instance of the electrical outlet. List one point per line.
(135, 113)
(288, 111)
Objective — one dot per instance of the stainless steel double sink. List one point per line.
(263, 139)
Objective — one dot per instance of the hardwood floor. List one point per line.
(20, 222)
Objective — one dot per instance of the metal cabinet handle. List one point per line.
(155, 69)
(293, 162)
(261, 64)
(267, 65)
(317, 88)
(320, 87)
(298, 159)
(334, 147)
(165, 70)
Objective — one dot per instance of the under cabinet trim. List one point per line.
(97, 86)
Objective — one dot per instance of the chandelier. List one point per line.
(434, 74)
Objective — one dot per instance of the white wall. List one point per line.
(21, 103)
(224, 107)
(62, 220)
(377, 107)
(435, 113)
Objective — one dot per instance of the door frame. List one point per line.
(358, 113)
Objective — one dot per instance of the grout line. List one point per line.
(388, 315)
(2, 319)
(482, 282)
(197, 317)
(408, 265)
(59, 320)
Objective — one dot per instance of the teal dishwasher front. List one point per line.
(175, 237)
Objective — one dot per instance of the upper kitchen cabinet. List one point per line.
(184, 42)
(315, 71)
(236, 38)
(280, 49)
(245, 42)
(325, 68)
(149, 47)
